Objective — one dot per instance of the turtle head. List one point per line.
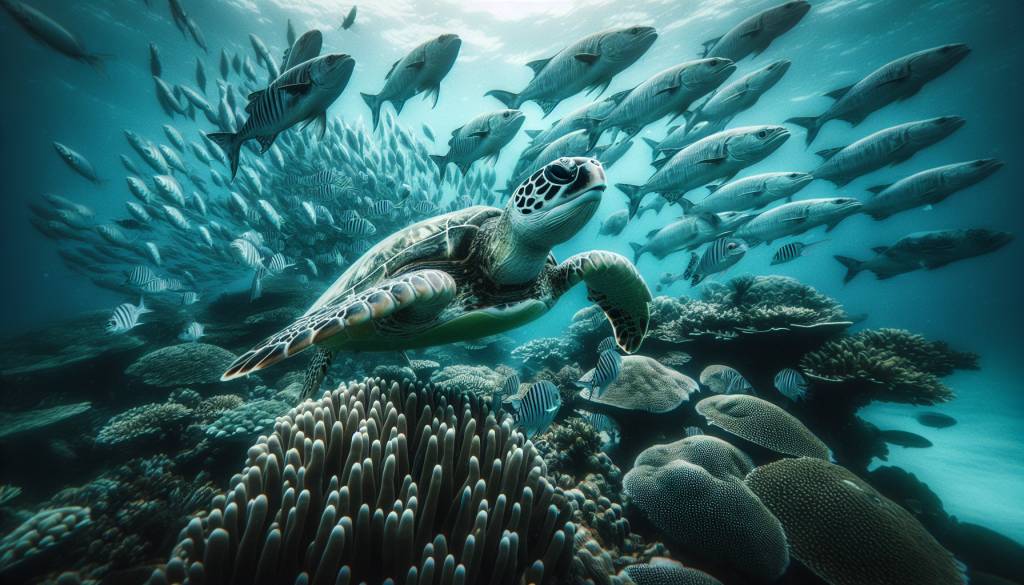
(556, 201)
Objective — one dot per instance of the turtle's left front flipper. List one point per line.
(617, 287)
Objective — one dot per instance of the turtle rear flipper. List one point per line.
(615, 285)
(421, 287)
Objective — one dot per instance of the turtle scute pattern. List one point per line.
(716, 518)
(762, 423)
(373, 483)
(375, 303)
(845, 531)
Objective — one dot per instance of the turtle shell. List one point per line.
(431, 243)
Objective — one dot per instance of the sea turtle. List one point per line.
(467, 274)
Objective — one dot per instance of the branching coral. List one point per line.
(478, 380)
(142, 423)
(210, 408)
(368, 483)
(889, 365)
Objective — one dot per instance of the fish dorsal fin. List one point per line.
(652, 233)
(266, 142)
(756, 27)
(255, 96)
(538, 65)
(713, 188)
(392, 70)
(708, 45)
(878, 189)
(533, 133)
(660, 162)
(837, 94)
(588, 58)
(672, 129)
(879, 249)
(829, 152)
(547, 105)
(616, 98)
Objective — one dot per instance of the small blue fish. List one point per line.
(510, 387)
(193, 331)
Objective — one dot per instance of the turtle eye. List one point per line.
(560, 172)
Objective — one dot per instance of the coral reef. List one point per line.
(163, 367)
(568, 447)
(394, 372)
(719, 458)
(550, 352)
(8, 493)
(15, 423)
(717, 519)
(368, 483)
(889, 365)
(762, 423)
(25, 549)
(77, 340)
(144, 423)
(667, 572)
(245, 421)
(645, 385)
(208, 409)
(478, 380)
(845, 531)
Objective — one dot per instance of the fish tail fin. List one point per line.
(635, 194)
(374, 102)
(638, 250)
(687, 205)
(142, 306)
(691, 267)
(811, 123)
(654, 147)
(98, 61)
(853, 267)
(442, 163)
(231, 145)
(511, 100)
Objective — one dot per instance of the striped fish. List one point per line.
(153, 252)
(791, 384)
(383, 208)
(724, 380)
(603, 423)
(256, 287)
(193, 331)
(792, 251)
(139, 275)
(510, 387)
(126, 316)
(424, 207)
(176, 218)
(204, 233)
(718, 256)
(597, 380)
(189, 297)
(694, 431)
(356, 226)
(606, 344)
(246, 253)
(278, 264)
(156, 285)
(138, 211)
(268, 213)
(536, 410)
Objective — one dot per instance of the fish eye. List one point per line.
(762, 134)
(634, 30)
(731, 245)
(505, 115)
(794, 175)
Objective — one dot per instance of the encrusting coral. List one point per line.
(142, 423)
(889, 365)
(405, 482)
(845, 531)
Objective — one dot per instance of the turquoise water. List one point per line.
(974, 467)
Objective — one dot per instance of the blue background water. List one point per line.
(976, 467)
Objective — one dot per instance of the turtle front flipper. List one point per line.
(615, 285)
(424, 287)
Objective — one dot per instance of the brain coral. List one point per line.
(366, 484)
(845, 531)
(662, 571)
(718, 519)
(717, 457)
(762, 423)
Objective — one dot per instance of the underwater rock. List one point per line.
(245, 421)
(888, 365)
(645, 385)
(25, 550)
(353, 463)
(762, 423)
(15, 423)
(719, 520)
(142, 423)
(164, 367)
(845, 531)
(667, 572)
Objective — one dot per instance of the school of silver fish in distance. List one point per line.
(246, 196)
